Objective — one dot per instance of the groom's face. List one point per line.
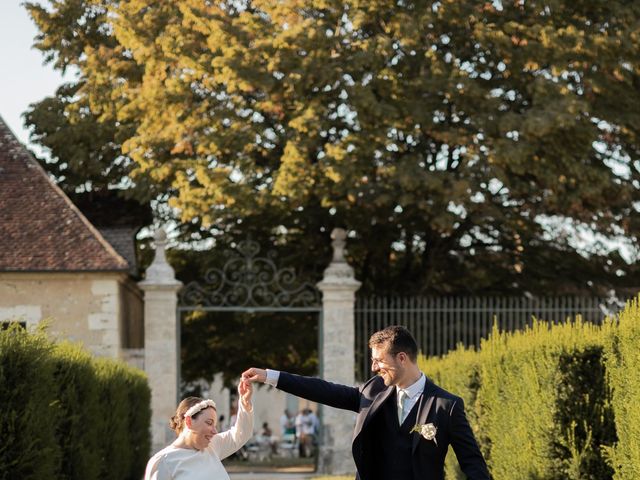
(386, 365)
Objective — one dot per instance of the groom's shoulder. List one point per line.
(373, 385)
(440, 392)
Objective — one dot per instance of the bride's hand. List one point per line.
(245, 389)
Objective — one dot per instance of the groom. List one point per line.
(389, 406)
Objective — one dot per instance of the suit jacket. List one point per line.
(435, 405)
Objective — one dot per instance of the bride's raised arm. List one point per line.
(225, 443)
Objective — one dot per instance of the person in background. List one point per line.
(287, 423)
(315, 422)
(304, 432)
(268, 437)
(197, 452)
(266, 430)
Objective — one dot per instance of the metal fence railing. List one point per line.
(439, 324)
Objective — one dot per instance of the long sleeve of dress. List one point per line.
(225, 443)
(157, 469)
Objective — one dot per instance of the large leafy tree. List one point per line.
(468, 145)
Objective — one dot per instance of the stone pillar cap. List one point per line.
(160, 272)
(339, 273)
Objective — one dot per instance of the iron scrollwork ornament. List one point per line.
(249, 281)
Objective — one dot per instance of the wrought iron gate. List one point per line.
(251, 283)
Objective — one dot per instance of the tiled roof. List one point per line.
(40, 228)
(117, 219)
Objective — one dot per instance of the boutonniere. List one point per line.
(428, 431)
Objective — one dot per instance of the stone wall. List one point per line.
(81, 307)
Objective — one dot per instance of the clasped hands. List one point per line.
(245, 388)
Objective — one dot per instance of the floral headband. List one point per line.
(199, 406)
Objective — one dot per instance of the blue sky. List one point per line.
(23, 78)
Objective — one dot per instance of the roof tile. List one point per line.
(40, 228)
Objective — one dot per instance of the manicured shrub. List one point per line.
(125, 412)
(139, 419)
(77, 394)
(583, 410)
(28, 447)
(623, 367)
(538, 401)
(544, 403)
(114, 439)
(66, 415)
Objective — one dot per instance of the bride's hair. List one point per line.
(177, 421)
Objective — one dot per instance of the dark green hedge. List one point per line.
(67, 415)
(28, 446)
(77, 402)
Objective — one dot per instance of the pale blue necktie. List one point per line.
(402, 396)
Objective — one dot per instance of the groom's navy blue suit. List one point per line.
(385, 450)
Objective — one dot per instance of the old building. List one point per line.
(56, 266)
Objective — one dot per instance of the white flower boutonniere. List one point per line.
(428, 431)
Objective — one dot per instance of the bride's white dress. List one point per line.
(173, 463)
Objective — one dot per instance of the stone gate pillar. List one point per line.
(338, 342)
(161, 342)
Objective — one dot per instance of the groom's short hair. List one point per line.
(397, 339)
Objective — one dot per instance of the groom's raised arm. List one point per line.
(314, 389)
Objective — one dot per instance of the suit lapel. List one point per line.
(377, 402)
(426, 400)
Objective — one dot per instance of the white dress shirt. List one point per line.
(413, 392)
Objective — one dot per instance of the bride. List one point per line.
(197, 452)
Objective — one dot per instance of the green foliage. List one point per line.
(67, 415)
(78, 409)
(623, 361)
(30, 413)
(115, 442)
(138, 422)
(544, 407)
(538, 401)
(463, 138)
(584, 414)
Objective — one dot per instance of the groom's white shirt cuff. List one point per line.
(272, 377)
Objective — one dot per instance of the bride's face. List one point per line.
(203, 428)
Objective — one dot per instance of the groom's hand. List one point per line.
(254, 375)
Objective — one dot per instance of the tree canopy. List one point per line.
(470, 146)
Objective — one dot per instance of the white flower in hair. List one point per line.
(199, 406)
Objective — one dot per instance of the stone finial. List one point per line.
(339, 237)
(339, 271)
(160, 272)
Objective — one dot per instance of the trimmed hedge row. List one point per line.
(67, 415)
(623, 368)
(552, 401)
